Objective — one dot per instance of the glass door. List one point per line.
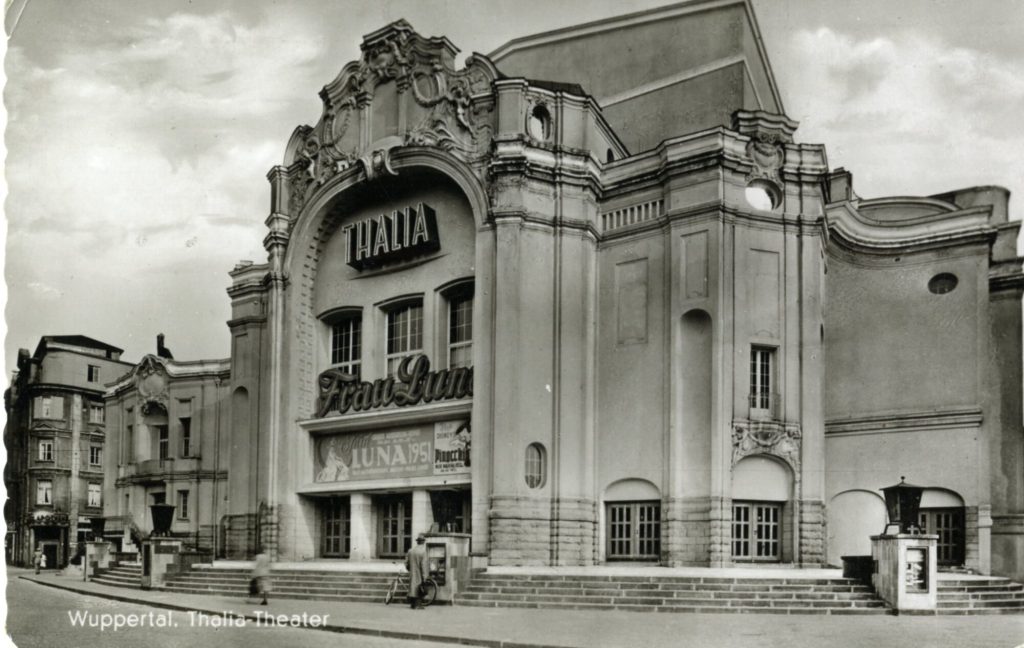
(756, 531)
(634, 531)
(948, 524)
(335, 528)
(394, 536)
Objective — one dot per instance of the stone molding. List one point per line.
(969, 417)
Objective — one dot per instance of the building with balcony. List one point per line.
(168, 444)
(589, 299)
(56, 436)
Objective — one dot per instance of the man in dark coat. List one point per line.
(419, 569)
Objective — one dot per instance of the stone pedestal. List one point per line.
(906, 570)
(158, 554)
(450, 563)
(98, 555)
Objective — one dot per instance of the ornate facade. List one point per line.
(619, 313)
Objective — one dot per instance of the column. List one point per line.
(422, 513)
(360, 510)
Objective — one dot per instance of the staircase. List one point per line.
(989, 595)
(674, 594)
(368, 587)
(123, 575)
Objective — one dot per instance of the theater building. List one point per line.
(590, 299)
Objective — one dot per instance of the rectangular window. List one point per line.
(761, 376)
(186, 436)
(129, 444)
(95, 495)
(756, 531)
(96, 413)
(346, 345)
(44, 492)
(404, 335)
(163, 441)
(183, 504)
(50, 407)
(94, 373)
(95, 456)
(460, 332)
(46, 451)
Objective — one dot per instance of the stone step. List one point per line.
(545, 578)
(278, 582)
(481, 585)
(739, 609)
(697, 599)
(979, 596)
(1013, 587)
(993, 603)
(375, 598)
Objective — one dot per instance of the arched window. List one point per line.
(536, 468)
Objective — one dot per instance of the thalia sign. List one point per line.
(391, 237)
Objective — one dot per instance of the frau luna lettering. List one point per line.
(340, 391)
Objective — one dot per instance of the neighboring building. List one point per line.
(56, 438)
(168, 443)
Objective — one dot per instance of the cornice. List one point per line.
(851, 230)
(959, 418)
(394, 417)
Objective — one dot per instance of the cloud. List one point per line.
(909, 114)
(120, 152)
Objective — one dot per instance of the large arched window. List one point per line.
(536, 465)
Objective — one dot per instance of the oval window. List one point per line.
(536, 468)
(763, 195)
(943, 283)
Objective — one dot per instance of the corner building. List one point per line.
(588, 299)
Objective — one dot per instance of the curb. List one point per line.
(341, 629)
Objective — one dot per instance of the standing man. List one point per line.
(37, 558)
(418, 566)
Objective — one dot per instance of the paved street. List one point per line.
(37, 617)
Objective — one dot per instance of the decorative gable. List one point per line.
(403, 91)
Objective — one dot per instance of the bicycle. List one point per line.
(428, 589)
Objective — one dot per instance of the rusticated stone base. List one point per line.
(720, 545)
(812, 533)
(574, 532)
(526, 531)
(686, 532)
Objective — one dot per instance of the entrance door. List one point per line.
(335, 528)
(756, 531)
(634, 531)
(948, 524)
(394, 536)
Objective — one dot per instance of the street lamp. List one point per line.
(902, 503)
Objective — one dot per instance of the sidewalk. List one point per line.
(523, 628)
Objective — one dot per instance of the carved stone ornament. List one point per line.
(151, 381)
(437, 106)
(768, 156)
(767, 437)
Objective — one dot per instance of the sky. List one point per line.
(140, 132)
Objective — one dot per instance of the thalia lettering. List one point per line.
(391, 237)
(340, 391)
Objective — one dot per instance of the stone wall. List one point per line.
(686, 532)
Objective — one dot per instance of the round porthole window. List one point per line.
(943, 283)
(539, 125)
(763, 195)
